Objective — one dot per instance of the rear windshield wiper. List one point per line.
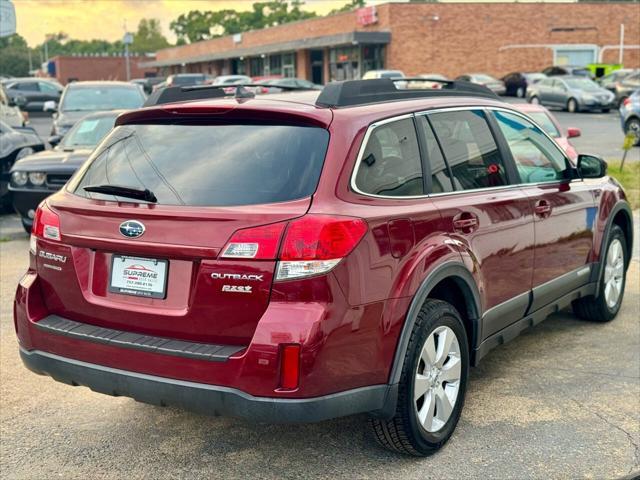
(122, 191)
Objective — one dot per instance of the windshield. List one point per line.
(209, 165)
(90, 99)
(88, 132)
(484, 78)
(582, 84)
(187, 79)
(542, 119)
(391, 74)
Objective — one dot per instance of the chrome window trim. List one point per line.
(385, 121)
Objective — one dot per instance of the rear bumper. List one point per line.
(209, 399)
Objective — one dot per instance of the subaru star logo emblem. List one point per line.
(131, 228)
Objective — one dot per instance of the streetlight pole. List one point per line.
(127, 40)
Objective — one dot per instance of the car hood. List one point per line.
(70, 118)
(597, 92)
(53, 161)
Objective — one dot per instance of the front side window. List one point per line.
(469, 149)
(536, 157)
(390, 164)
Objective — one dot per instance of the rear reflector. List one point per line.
(289, 366)
(46, 224)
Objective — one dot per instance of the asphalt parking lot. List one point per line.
(561, 401)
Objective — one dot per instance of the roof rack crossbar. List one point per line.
(361, 92)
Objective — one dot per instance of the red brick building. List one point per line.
(447, 38)
(68, 68)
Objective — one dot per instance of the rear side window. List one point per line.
(391, 163)
(209, 165)
(470, 149)
(440, 179)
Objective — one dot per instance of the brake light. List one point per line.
(260, 243)
(314, 244)
(289, 366)
(46, 224)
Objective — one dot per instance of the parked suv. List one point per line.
(304, 256)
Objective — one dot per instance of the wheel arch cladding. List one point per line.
(620, 216)
(452, 281)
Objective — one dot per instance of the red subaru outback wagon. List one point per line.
(298, 257)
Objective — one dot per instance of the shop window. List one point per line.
(275, 65)
(289, 65)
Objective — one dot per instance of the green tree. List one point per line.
(148, 38)
(348, 7)
(202, 25)
(14, 56)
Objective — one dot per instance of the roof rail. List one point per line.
(204, 92)
(361, 92)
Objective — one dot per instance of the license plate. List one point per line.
(141, 277)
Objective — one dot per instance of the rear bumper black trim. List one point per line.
(117, 338)
(209, 399)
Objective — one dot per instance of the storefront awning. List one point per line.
(349, 38)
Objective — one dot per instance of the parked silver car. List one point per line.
(573, 94)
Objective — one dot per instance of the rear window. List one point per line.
(209, 165)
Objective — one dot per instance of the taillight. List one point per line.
(626, 102)
(314, 244)
(259, 243)
(46, 224)
(289, 366)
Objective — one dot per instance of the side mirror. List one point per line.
(590, 166)
(573, 132)
(54, 140)
(49, 106)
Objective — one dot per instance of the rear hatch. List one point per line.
(155, 266)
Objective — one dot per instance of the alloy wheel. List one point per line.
(437, 379)
(613, 273)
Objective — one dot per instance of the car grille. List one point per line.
(57, 180)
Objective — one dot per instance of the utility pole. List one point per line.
(621, 52)
(127, 40)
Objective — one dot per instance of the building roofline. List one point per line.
(348, 38)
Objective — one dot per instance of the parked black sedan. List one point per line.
(35, 177)
(35, 91)
(516, 83)
(15, 144)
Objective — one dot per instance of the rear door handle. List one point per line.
(465, 222)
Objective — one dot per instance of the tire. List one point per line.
(572, 105)
(26, 226)
(633, 125)
(520, 92)
(405, 433)
(606, 110)
(602, 308)
(535, 100)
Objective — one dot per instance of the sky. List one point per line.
(105, 19)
